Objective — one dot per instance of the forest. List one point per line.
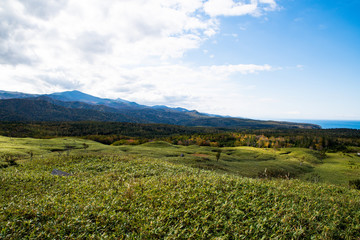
(134, 133)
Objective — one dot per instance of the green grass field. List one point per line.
(336, 168)
(158, 190)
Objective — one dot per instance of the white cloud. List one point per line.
(271, 4)
(130, 49)
(238, 8)
(192, 87)
(57, 33)
(240, 68)
(299, 66)
(197, 88)
(128, 31)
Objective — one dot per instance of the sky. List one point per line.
(261, 59)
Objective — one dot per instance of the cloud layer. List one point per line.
(238, 8)
(130, 48)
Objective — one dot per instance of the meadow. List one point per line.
(159, 190)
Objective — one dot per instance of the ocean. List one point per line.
(326, 124)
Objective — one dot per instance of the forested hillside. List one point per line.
(135, 133)
(77, 106)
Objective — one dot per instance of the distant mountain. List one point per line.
(46, 109)
(41, 110)
(77, 96)
(9, 95)
(78, 106)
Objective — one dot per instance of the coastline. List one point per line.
(329, 124)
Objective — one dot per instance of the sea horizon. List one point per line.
(330, 124)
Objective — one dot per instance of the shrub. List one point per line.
(314, 178)
(355, 184)
(10, 159)
(274, 173)
(218, 154)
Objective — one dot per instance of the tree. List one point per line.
(218, 154)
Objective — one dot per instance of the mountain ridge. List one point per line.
(78, 106)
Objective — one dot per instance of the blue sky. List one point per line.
(263, 59)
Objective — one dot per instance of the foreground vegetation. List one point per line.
(159, 190)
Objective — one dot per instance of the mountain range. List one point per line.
(78, 106)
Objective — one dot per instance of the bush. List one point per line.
(274, 173)
(314, 178)
(10, 159)
(355, 184)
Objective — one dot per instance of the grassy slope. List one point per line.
(149, 191)
(249, 162)
(339, 168)
(305, 164)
